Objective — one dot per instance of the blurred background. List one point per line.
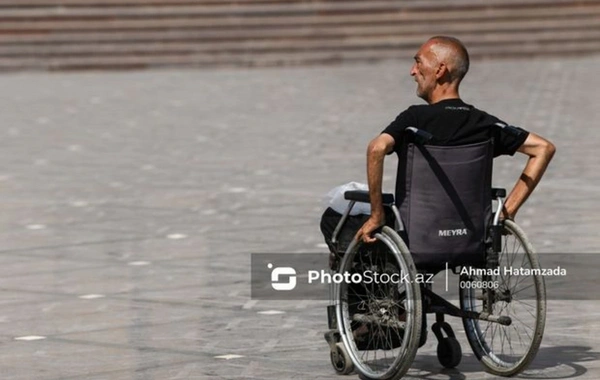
(128, 34)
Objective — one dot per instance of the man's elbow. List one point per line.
(549, 150)
(540, 148)
(380, 145)
(376, 147)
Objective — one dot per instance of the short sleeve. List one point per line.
(396, 128)
(507, 138)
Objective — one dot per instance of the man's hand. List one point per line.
(373, 223)
(378, 148)
(506, 214)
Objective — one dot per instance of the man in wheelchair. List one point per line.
(442, 217)
(440, 65)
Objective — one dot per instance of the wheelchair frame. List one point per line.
(419, 300)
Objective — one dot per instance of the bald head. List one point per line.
(452, 53)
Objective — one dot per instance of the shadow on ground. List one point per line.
(561, 362)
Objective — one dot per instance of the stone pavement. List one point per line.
(131, 203)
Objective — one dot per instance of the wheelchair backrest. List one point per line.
(444, 197)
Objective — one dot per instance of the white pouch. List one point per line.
(335, 199)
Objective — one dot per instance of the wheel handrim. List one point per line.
(509, 349)
(377, 350)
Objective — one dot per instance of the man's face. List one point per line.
(424, 70)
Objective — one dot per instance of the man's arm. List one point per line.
(378, 148)
(540, 152)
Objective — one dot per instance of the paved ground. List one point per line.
(131, 203)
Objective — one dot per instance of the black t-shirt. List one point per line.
(453, 122)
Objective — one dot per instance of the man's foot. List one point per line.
(361, 332)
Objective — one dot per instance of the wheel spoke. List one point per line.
(510, 348)
(376, 329)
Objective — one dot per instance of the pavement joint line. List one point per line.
(126, 327)
(302, 304)
(64, 271)
(138, 370)
(37, 292)
(290, 323)
(250, 304)
(270, 345)
(251, 369)
(210, 346)
(233, 324)
(83, 244)
(130, 347)
(204, 298)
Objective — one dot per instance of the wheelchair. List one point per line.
(376, 327)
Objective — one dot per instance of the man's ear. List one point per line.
(442, 71)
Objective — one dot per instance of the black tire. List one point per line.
(380, 325)
(340, 361)
(449, 352)
(508, 350)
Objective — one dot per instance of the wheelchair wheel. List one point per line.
(449, 352)
(508, 350)
(340, 360)
(379, 311)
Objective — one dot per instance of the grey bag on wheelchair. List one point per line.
(444, 197)
(330, 219)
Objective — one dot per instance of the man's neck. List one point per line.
(443, 93)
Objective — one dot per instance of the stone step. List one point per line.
(344, 43)
(162, 3)
(279, 8)
(274, 59)
(27, 27)
(171, 3)
(78, 34)
(558, 26)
